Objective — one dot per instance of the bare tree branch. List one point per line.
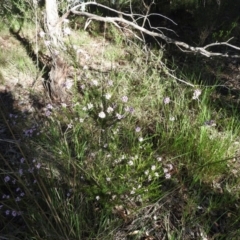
(157, 33)
(131, 15)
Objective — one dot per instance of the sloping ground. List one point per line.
(23, 93)
(24, 74)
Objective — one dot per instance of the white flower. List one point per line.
(172, 119)
(140, 139)
(102, 115)
(90, 106)
(167, 175)
(110, 83)
(95, 82)
(130, 163)
(97, 198)
(108, 96)
(153, 168)
(165, 170)
(170, 166)
(146, 172)
(116, 131)
(196, 93)
(132, 192)
(109, 109)
(108, 179)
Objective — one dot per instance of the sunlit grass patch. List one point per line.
(17, 67)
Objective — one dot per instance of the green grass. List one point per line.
(133, 155)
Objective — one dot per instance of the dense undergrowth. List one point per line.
(135, 154)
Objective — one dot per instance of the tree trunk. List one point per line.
(52, 18)
(58, 72)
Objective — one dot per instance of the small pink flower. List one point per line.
(20, 171)
(124, 99)
(7, 212)
(7, 179)
(48, 113)
(167, 175)
(49, 106)
(17, 199)
(166, 100)
(14, 213)
(38, 165)
(138, 129)
(119, 116)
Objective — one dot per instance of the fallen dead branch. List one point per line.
(156, 32)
